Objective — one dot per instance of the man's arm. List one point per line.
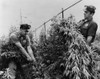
(89, 39)
(29, 49)
(14, 39)
(18, 44)
(31, 53)
(91, 32)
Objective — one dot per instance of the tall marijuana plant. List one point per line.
(65, 53)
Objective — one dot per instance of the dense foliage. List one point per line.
(65, 53)
(61, 54)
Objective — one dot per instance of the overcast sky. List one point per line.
(35, 12)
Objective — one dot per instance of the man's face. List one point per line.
(87, 15)
(24, 31)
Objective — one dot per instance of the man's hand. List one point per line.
(29, 58)
(89, 39)
(80, 23)
(31, 53)
(34, 59)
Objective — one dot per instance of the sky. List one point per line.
(36, 12)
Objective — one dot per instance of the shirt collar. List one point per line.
(90, 19)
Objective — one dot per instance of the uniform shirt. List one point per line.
(89, 28)
(17, 37)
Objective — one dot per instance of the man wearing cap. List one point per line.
(19, 45)
(88, 27)
(22, 41)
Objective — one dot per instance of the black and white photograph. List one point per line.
(49, 39)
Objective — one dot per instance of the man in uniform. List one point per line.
(20, 43)
(88, 27)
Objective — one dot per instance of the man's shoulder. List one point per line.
(14, 37)
(14, 34)
(94, 24)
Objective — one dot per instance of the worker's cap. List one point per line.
(90, 8)
(25, 26)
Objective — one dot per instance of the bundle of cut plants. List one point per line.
(65, 53)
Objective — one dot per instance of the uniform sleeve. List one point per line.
(14, 38)
(92, 30)
(28, 40)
